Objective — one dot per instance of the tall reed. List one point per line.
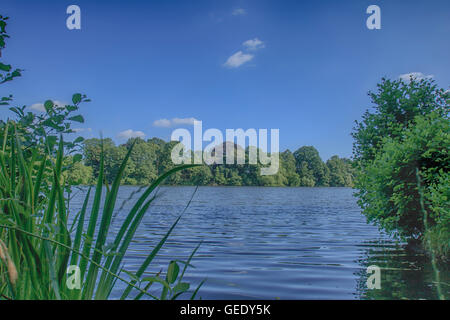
(39, 249)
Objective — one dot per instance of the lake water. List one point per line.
(274, 243)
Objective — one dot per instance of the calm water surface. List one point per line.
(274, 243)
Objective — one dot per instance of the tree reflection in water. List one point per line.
(406, 272)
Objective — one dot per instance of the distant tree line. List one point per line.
(152, 157)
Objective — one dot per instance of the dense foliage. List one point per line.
(401, 153)
(150, 158)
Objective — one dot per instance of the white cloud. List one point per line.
(166, 123)
(40, 106)
(127, 134)
(59, 103)
(239, 12)
(415, 75)
(163, 123)
(182, 121)
(79, 130)
(254, 44)
(238, 59)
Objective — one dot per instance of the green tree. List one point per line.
(307, 178)
(144, 158)
(219, 177)
(93, 150)
(165, 163)
(288, 168)
(310, 156)
(231, 175)
(407, 132)
(341, 172)
(396, 104)
(200, 176)
(391, 195)
(78, 174)
(113, 157)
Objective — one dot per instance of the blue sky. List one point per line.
(310, 63)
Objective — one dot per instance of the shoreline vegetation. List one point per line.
(152, 157)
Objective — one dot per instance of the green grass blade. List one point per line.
(52, 272)
(94, 216)
(38, 182)
(105, 286)
(79, 232)
(104, 227)
(43, 239)
(149, 259)
(131, 218)
(188, 262)
(196, 290)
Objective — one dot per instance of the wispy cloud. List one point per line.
(162, 123)
(239, 12)
(166, 123)
(238, 59)
(183, 121)
(79, 130)
(415, 75)
(241, 57)
(127, 134)
(40, 106)
(254, 44)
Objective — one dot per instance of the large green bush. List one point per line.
(391, 188)
(401, 151)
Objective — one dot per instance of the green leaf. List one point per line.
(78, 140)
(48, 105)
(51, 124)
(77, 158)
(172, 272)
(78, 118)
(16, 73)
(196, 290)
(71, 108)
(181, 287)
(158, 280)
(5, 67)
(52, 140)
(76, 98)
